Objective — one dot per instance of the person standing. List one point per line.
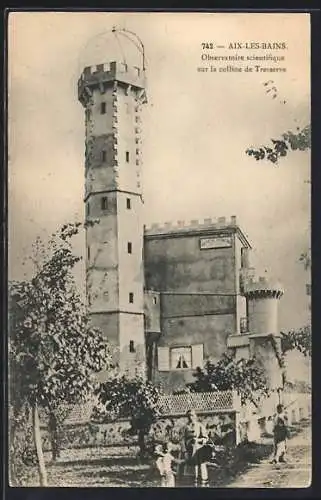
(164, 464)
(194, 437)
(280, 434)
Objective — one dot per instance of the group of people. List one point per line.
(195, 452)
(197, 449)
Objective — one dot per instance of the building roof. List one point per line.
(196, 227)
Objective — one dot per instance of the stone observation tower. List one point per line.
(173, 296)
(112, 91)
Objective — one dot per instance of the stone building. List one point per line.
(167, 297)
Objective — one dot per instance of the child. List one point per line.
(164, 462)
(281, 433)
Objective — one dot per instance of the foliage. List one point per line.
(21, 447)
(277, 350)
(54, 353)
(300, 140)
(295, 141)
(247, 377)
(135, 399)
(300, 339)
(300, 386)
(305, 258)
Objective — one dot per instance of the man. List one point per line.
(194, 437)
(280, 433)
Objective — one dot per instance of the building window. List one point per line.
(88, 252)
(137, 162)
(128, 203)
(154, 300)
(104, 203)
(102, 108)
(244, 325)
(308, 289)
(129, 247)
(181, 358)
(88, 208)
(127, 156)
(103, 155)
(131, 297)
(131, 346)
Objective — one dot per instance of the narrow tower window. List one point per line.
(102, 108)
(131, 297)
(104, 203)
(128, 203)
(88, 252)
(127, 156)
(103, 155)
(155, 300)
(129, 247)
(131, 346)
(88, 208)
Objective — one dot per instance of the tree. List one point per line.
(247, 377)
(289, 141)
(54, 353)
(295, 141)
(300, 339)
(300, 140)
(135, 399)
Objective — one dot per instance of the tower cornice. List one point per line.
(263, 288)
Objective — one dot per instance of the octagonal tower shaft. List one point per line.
(112, 95)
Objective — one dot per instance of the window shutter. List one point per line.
(163, 359)
(197, 356)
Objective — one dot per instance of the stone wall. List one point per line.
(209, 330)
(116, 434)
(179, 264)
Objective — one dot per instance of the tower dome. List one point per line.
(116, 45)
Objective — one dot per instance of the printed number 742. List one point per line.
(206, 45)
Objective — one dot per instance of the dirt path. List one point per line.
(296, 473)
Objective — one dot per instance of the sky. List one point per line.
(196, 125)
